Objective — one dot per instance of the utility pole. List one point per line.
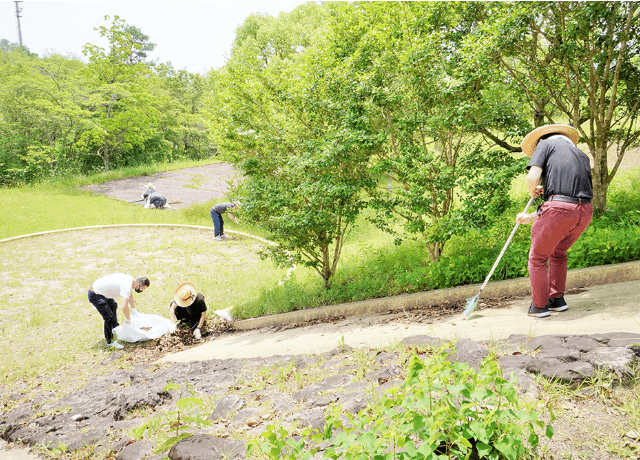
(18, 10)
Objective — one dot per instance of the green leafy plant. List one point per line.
(443, 410)
(174, 424)
(341, 343)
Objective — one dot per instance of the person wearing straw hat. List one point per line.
(150, 189)
(102, 294)
(216, 215)
(567, 189)
(188, 307)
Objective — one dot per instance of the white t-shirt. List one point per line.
(114, 285)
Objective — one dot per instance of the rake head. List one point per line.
(472, 304)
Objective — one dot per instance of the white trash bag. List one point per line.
(134, 333)
(224, 314)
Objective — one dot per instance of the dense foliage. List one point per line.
(415, 111)
(60, 116)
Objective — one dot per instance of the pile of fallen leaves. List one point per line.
(182, 339)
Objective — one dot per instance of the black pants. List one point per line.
(107, 309)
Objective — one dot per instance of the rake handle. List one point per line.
(513, 232)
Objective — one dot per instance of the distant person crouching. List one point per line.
(150, 189)
(155, 200)
(188, 308)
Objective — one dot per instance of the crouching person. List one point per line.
(188, 308)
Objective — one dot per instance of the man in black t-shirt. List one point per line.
(567, 189)
(189, 308)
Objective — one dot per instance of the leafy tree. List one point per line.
(140, 45)
(576, 62)
(122, 102)
(302, 172)
(402, 69)
(183, 123)
(40, 118)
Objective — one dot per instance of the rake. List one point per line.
(472, 303)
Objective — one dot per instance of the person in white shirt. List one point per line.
(102, 295)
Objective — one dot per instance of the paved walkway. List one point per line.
(182, 188)
(598, 309)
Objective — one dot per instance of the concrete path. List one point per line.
(181, 188)
(598, 309)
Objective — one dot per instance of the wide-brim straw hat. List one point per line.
(530, 141)
(149, 185)
(185, 294)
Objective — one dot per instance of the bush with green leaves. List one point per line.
(170, 428)
(443, 410)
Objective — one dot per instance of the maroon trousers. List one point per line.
(559, 225)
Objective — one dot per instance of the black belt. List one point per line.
(569, 199)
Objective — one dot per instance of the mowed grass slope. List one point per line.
(47, 321)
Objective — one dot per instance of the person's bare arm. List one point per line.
(533, 181)
(125, 309)
(203, 315)
(172, 312)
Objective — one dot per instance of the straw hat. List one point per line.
(149, 185)
(530, 141)
(185, 294)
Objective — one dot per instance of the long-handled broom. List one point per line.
(472, 303)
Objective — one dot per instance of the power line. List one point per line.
(18, 11)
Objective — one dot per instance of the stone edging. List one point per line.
(579, 278)
(200, 227)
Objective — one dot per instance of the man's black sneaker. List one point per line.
(538, 312)
(557, 304)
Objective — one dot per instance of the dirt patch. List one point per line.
(181, 188)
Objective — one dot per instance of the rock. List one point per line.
(569, 372)
(538, 365)
(111, 358)
(469, 352)
(309, 392)
(384, 374)
(522, 379)
(282, 405)
(543, 342)
(583, 344)
(247, 416)
(353, 402)
(564, 355)
(339, 380)
(135, 451)
(383, 357)
(617, 360)
(227, 406)
(313, 418)
(514, 361)
(206, 447)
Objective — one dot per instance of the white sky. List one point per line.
(192, 35)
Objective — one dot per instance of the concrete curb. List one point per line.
(200, 227)
(583, 277)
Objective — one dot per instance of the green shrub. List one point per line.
(444, 410)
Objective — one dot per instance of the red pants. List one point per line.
(559, 225)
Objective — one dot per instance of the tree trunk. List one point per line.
(600, 175)
(435, 250)
(105, 157)
(326, 268)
